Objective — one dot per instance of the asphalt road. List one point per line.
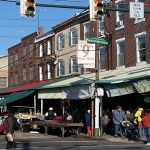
(72, 144)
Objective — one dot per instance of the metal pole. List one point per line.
(63, 109)
(34, 104)
(101, 117)
(41, 107)
(92, 117)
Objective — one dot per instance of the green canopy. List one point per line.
(15, 96)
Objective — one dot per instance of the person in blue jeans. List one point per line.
(118, 117)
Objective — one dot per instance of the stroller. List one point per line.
(130, 130)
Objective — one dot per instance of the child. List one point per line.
(105, 123)
(88, 122)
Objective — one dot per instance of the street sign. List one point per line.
(97, 40)
(100, 92)
(86, 54)
(136, 9)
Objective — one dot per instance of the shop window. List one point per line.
(60, 42)
(60, 68)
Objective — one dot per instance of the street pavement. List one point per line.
(27, 141)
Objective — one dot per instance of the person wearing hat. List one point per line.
(88, 121)
(118, 118)
(50, 114)
(8, 123)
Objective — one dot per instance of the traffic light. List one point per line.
(27, 8)
(96, 9)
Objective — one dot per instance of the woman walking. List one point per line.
(146, 125)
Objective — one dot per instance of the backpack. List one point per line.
(16, 125)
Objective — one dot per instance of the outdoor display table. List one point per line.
(63, 126)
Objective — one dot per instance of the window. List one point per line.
(41, 50)
(102, 59)
(16, 79)
(60, 42)
(60, 68)
(31, 72)
(40, 73)
(24, 74)
(11, 80)
(120, 14)
(16, 58)
(11, 60)
(73, 37)
(24, 51)
(31, 49)
(87, 70)
(49, 47)
(86, 30)
(101, 27)
(73, 65)
(120, 53)
(49, 71)
(3, 82)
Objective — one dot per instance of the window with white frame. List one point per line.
(120, 52)
(60, 42)
(24, 51)
(11, 60)
(73, 37)
(60, 68)
(49, 50)
(31, 72)
(102, 56)
(16, 79)
(41, 50)
(24, 74)
(101, 27)
(40, 73)
(141, 50)
(86, 30)
(16, 58)
(49, 76)
(73, 65)
(120, 14)
(31, 49)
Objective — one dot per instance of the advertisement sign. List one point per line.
(86, 54)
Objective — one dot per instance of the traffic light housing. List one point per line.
(27, 8)
(96, 9)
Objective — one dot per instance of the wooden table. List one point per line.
(63, 126)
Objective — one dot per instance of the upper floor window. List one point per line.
(16, 79)
(49, 49)
(86, 30)
(120, 14)
(40, 73)
(41, 50)
(73, 37)
(60, 42)
(60, 68)
(11, 60)
(31, 72)
(24, 51)
(31, 49)
(101, 27)
(11, 80)
(16, 58)
(141, 50)
(102, 56)
(3, 82)
(24, 74)
(120, 52)
(73, 65)
(49, 71)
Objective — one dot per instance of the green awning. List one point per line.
(15, 96)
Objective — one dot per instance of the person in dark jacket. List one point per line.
(76, 116)
(50, 115)
(118, 117)
(88, 122)
(8, 123)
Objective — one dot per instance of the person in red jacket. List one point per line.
(146, 125)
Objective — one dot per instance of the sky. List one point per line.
(13, 27)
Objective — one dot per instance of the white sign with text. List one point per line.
(86, 54)
(136, 9)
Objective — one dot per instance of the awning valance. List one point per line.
(15, 96)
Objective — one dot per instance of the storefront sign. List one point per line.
(86, 55)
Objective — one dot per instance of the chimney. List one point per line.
(41, 30)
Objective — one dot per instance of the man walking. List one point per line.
(118, 117)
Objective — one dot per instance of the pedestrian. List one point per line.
(138, 120)
(105, 123)
(146, 125)
(50, 115)
(118, 118)
(8, 123)
(76, 116)
(88, 121)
